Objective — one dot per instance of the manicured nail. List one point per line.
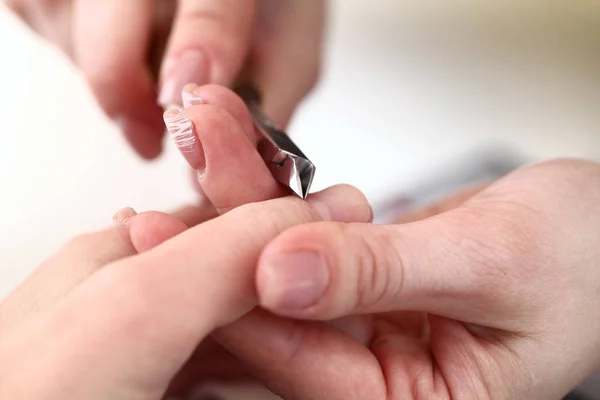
(293, 281)
(122, 216)
(181, 130)
(190, 66)
(190, 96)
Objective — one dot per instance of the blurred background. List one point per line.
(416, 98)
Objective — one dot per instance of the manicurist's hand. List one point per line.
(121, 46)
(496, 297)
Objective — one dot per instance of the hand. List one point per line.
(135, 322)
(275, 43)
(216, 136)
(96, 321)
(494, 299)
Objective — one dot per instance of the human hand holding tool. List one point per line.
(126, 310)
(150, 49)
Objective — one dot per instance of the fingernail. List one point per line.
(294, 281)
(181, 130)
(190, 66)
(190, 96)
(122, 216)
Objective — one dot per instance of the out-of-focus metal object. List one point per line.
(287, 162)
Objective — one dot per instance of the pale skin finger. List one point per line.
(286, 54)
(86, 254)
(222, 149)
(208, 44)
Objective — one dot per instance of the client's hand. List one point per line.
(98, 321)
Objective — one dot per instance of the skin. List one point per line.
(494, 297)
(145, 60)
(476, 297)
(110, 290)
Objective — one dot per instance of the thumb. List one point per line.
(452, 265)
(209, 44)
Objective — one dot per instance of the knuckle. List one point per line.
(380, 269)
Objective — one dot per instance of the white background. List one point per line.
(409, 88)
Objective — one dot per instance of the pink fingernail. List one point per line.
(190, 95)
(189, 67)
(294, 281)
(181, 130)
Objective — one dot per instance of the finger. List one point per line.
(230, 169)
(313, 354)
(209, 43)
(148, 230)
(183, 129)
(15, 5)
(193, 95)
(223, 98)
(85, 255)
(388, 367)
(51, 20)
(194, 215)
(209, 363)
(449, 265)
(217, 137)
(286, 53)
(163, 302)
(117, 70)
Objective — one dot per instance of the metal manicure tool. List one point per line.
(286, 161)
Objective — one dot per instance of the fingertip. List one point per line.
(289, 283)
(143, 135)
(226, 99)
(234, 172)
(342, 203)
(292, 274)
(149, 229)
